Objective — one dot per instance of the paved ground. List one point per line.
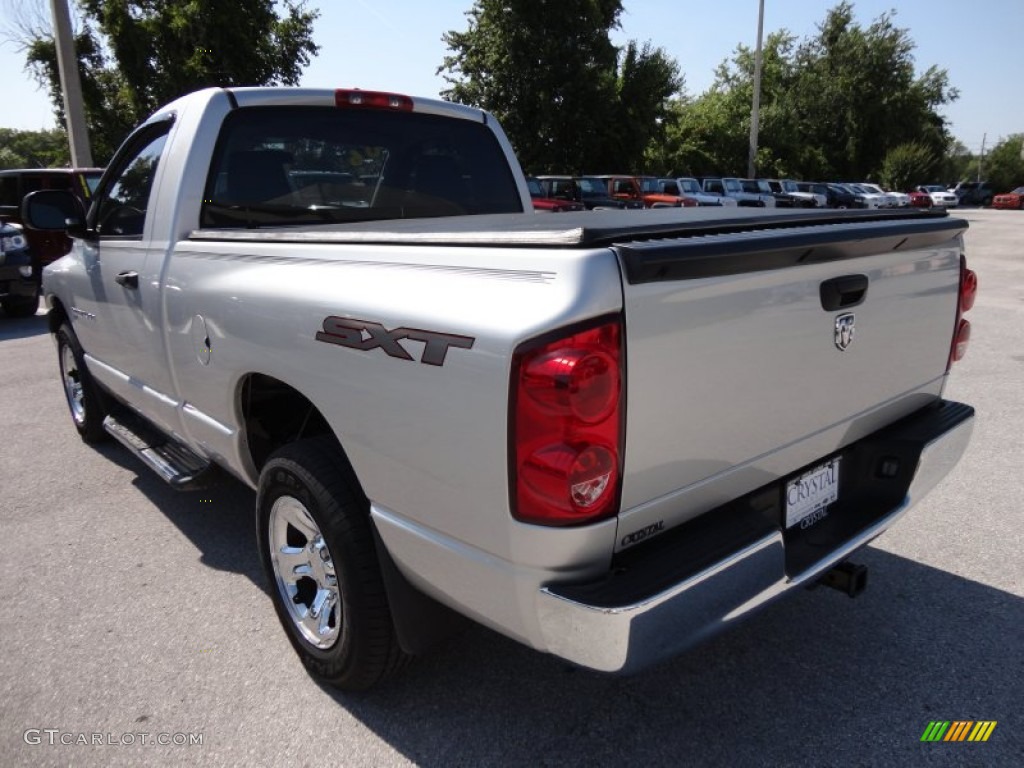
(129, 609)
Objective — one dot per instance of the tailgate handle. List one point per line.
(843, 292)
(127, 279)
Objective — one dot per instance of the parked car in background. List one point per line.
(550, 204)
(732, 187)
(974, 193)
(763, 188)
(26, 251)
(1013, 199)
(890, 199)
(902, 198)
(644, 190)
(920, 199)
(15, 183)
(940, 196)
(841, 196)
(782, 199)
(590, 191)
(19, 279)
(869, 198)
(804, 198)
(690, 187)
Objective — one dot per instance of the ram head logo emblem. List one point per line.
(844, 331)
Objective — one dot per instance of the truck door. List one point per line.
(117, 312)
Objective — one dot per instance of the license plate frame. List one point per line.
(811, 493)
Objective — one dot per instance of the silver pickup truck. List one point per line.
(606, 435)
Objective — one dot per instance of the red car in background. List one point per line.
(1010, 200)
(920, 199)
(15, 183)
(552, 204)
(644, 189)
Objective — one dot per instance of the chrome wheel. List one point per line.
(304, 572)
(72, 380)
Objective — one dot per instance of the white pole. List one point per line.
(756, 108)
(70, 85)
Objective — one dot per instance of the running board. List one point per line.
(176, 464)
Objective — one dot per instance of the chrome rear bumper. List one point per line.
(591, 626)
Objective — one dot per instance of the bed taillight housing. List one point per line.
(966, 296)
(566, 425)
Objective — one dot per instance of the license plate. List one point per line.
(809, 495)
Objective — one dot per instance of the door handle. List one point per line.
(128, 279)
(843, 292)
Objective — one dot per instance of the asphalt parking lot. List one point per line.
(132, 612)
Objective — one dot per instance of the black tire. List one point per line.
(84, 398)
(357, 647)
(20, 306)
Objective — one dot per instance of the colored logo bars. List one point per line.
(958, 730)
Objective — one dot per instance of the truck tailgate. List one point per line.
(754, 352)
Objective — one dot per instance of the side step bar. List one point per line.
(177, 465)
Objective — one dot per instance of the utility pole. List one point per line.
(70, 85)
(755, 111)
(981, 157)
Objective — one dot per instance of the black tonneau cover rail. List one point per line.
(583, 229)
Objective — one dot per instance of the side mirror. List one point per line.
(54, 210)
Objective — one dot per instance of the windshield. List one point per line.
(688, 186)
(756, 186)
(790, 186)
(650, 186)
(732, 185)
(308, 165)
(91, 179)
(873, 189)
(592, 187)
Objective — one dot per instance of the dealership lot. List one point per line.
(132, 612)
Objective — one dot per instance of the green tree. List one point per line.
(955, 163)
(908, 165)
(1004, 165)
(569, 99)
(33, 149)
(135, 55)
(711, 134)
(858, 97)
(833, 105)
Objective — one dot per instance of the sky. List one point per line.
(396, 45)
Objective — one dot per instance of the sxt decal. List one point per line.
(366, 335)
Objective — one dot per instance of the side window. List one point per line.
(121, 207)
(9, 191)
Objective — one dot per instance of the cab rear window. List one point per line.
(311, 165)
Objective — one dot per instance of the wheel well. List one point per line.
(57, 315)
(275, 414)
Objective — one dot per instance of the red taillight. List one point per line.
(963, 336)
(372, 100)
(968, 287)
(965, 300)
(566, 425)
